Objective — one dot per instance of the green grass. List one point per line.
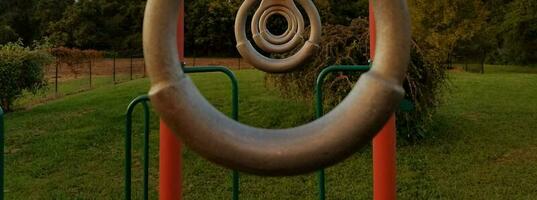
(494, 69)
(68, 87)
(481, 145)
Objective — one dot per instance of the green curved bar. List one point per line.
(234, 113)
(320, 81)
(405, 105)
(144, 99)
(234, 84)
(319, 106)
(128, 146)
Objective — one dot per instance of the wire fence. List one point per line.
(469, 60)
(65, 79)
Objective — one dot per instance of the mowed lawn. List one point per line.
(481, 145)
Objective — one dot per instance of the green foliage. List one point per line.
(492, 31)
(21, 69)
(209, 23)
(519, 33)
(209, 27)
(7, 34)
(342, 11)
(349, 45)
(17, 15)
(100, 24)
(495, 31)
(441, 26)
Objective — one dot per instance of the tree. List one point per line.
(7, 34)
(100, 24)
(342, 11)
(518, 33)
(46, 12)
(440, 26)
(15, 15)
(209, 27)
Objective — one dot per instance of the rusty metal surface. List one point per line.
(298, 150)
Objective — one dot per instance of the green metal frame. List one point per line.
(319, 110)
(319, 107)
(128, 146)
(2, 154)
(405, 106)
(144, 101)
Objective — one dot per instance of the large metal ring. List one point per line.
(298, 150)
(271, 65)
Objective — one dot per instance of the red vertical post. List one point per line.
(384, 144)
(170, 160)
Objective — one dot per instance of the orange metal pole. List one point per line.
(384, 144)
(170, 160)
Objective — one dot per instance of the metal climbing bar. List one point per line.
(128, 146)
(143, 100)
(234, 110)
(405, 105)
(2, 154)
(320, 81)
(319, 107)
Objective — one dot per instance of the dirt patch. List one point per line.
(518, 156)
(457, 69)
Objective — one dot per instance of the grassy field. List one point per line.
(481, 145)
(68, 87)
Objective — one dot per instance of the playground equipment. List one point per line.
(277, 44)
(143, 100)
(321, 143)
(303, 149)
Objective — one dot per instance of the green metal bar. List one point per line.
(128, 146)
(232, 78)
(146, 149)
(405, 105)
(235, 185)
(1, 154)
(322, 76)
(235, 177)
(322, 185)
(319, 107)
(143, 100)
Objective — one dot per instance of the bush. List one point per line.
(349, 45)
(21, 69)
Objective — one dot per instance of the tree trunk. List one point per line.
(5, 105)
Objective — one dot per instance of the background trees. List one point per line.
(499, 31)
(441, 27)
(518, 33)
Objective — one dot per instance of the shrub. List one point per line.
(21, 69)
(349, 45)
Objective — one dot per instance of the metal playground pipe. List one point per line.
(303, 149)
